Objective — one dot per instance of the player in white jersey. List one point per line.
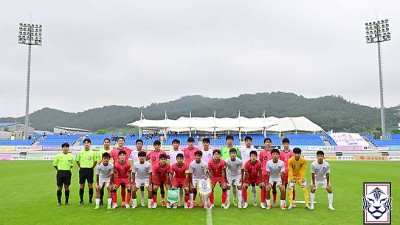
(104, 178)
(198, 171)
(207, 152)
(320, 171)
(245, 152)
(139, 148)
(141, 177)
(174, 152)
(275, 172)
(234, 171)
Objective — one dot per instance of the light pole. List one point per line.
(29, 34)
(377, 32)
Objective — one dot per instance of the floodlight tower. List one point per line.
(29, 34)
(377, 32)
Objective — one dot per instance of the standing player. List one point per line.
(216, 169)
(189, 151)
(104, 178)
(122, 173)
(234, 170)
(245, 153)
(207, 154)
(197, 171)
(115, 155)
(86, 160)
(265, 155)
(252, 176)
(161, 177)
(154, 156)
(179, 179)
(139, 148)
(297, 165)
(106, 148)
(320, 170)
(284, 156)
(229, 145)
(275, 173)
(141, 178)
(63, 162)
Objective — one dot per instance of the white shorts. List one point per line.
(104, 183)
(278, 181)
(323, 183)
(196, 182)
(142, 182)
(234, 180)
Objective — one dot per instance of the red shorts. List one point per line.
(253, 181)
(120, 182)
(161, 181)
(179, 182)
(220, 180)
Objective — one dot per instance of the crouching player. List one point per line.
(104, 178)
(179, 177)
(161, 177)
(141, 177)
(122, 173)
(216, 168)
(297, 165)
(252, 175)
(275, 174)
(320, 170)
(198, 171)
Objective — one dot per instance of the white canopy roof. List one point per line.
(211, 124)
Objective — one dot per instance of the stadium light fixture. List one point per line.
(29, 34)
(377, 32)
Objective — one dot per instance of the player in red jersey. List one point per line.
(115, 155)
(120, 146)
(285, 155)
(265, 155)
(252, 176)
(216, 168)
(179, 178)
(122, 173)
(160, 177)
(154, 156)
(189, 151)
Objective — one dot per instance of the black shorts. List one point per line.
(63, 177)
(86, 174)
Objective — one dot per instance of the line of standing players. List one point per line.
(233, 168)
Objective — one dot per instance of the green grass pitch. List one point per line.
(28, 196)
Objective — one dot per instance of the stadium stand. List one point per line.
(305, 139)
(57, 140)
(16, 142)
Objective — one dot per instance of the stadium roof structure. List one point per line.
(239, 124)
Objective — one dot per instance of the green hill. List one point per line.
(330, 112)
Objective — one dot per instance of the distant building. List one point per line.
(15, 131)
(70, 131)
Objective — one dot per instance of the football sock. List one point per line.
(66, 195)
(97, 201)
(59, 193)
(244, 194)
(306, 199)
(312, 198)
(90, 194)
(223, 196)
(81, 191)
(330, 199)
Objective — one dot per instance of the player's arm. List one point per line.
(55, 162)
(94, 160)
(260, 178)
(78, 158)
(224, 173)
(290, 168)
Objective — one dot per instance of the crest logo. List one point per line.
(377, 203)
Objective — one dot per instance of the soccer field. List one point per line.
(28, 196)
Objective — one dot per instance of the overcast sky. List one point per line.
(135, 53)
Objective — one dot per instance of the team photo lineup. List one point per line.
(187, 178)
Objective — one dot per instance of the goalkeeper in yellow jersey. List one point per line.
(297, 166)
